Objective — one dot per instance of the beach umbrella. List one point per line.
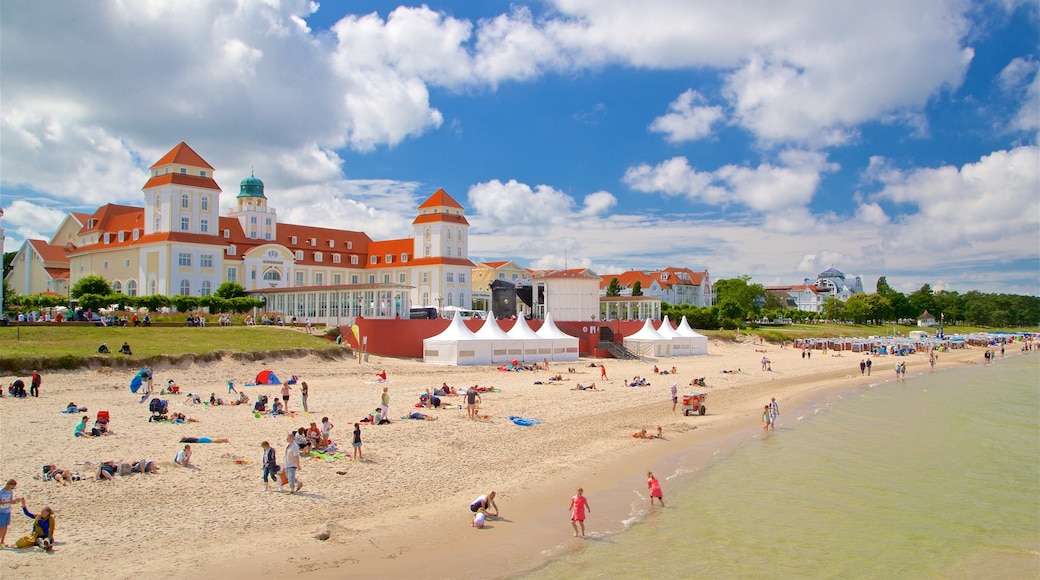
(138, 380)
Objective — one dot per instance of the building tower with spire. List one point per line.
(259, 222)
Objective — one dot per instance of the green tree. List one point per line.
(92, 284)
(742, 292)
(774, 302)
(857, 308)
(834, 309)
(922, 299)
(229, 290)
(614, 288)
(94, 302)
(730, 309)
(882, 286)
(185, 303)
(154, 302)
(880, 308)
(637, 288)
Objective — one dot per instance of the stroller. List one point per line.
(100, 424)
(158, 408)
(261, 404)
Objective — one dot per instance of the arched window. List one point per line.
(207, 288)
(184, 201)
(131, 287)
(447, 300)
(117, 287)
(272, 274)
(185, 288)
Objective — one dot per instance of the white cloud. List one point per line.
(517, 207)
(765, 188)
(25, 220)
(1020, 79)
(687, 121)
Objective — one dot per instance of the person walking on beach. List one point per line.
(655, 489)
(774, 413)
(292, 463)
(766, 417)
(472, 400)
(6, 500)
(675, 395)
(868, 366)
(34, 384)
(270, 466)
(357, 442)
(231, 387)
(303, 395)
(578, 506)
(862, 367)
(385, 403)
(603, 372)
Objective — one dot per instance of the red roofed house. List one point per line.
(178, 244)
(671, 285)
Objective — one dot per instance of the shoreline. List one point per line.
(403, 511)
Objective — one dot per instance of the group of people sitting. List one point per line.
(195, 320)
(315, 438)
(642, 434)
(109, 469)
(99, 429)
(665, 371)
(637, 381)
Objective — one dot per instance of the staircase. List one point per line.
(619, 351)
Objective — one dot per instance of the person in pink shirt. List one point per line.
(578, 506)
(655, 488)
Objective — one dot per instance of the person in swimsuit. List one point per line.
(655, 488)
(303, 395)
(675, 396)
(578, 506)
(285, 396)
(484, 502)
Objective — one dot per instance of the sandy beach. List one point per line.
(404, 509)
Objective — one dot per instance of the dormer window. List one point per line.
(292, 240)
(122, 236)
(227, 233)
(232, 250)
(317, 256)
(336, 258)
(350, 245)
(354, 260)
(107, 237)
(373, 260)
(404, 257)
(389, 258)
(314, 242)
(332, 243)
(299, 254)
(137, 234)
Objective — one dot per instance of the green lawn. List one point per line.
(62, 346)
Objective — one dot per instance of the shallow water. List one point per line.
(931, 478)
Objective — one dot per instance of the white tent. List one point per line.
(564, 346)
(535, 347)
(456, 345)
(681, 345)
(700, 342)
(503, 348)
(649, 342)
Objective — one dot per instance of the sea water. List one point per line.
(934, 477)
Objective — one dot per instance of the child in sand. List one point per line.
(655, 488)
(577, 508)
(479, 518)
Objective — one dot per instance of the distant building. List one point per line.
(811, 294)
(670, 285)
(484, 273)
(178, 244)
(926, 319)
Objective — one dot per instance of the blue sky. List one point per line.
(893, 138)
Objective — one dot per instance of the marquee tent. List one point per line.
(456, 345)
(503, 348)
(649, 342)
(564, 346)
(681, 345)
(535, 347)
(700, 342)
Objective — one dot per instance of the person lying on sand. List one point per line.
(422, 417)
(728, 372)
(180, 418)
(589, 387)
(55, 473)
(204, 440)
(641, 434)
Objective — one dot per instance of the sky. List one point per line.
(777, 139)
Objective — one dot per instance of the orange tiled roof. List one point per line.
(57, 273)
(394, 248)
(49, 252)
(112, 218)
(182, 155)
(495, 265)
(440, 217)
(184, 179)
(440, 198)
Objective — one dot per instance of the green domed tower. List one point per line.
(258, 221)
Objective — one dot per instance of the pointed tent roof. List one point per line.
(648, 332)
(666, 329)
(686, 330)
(182, 154)
(456, 331)
(491, 330)
(550, 330)
(522, 331)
